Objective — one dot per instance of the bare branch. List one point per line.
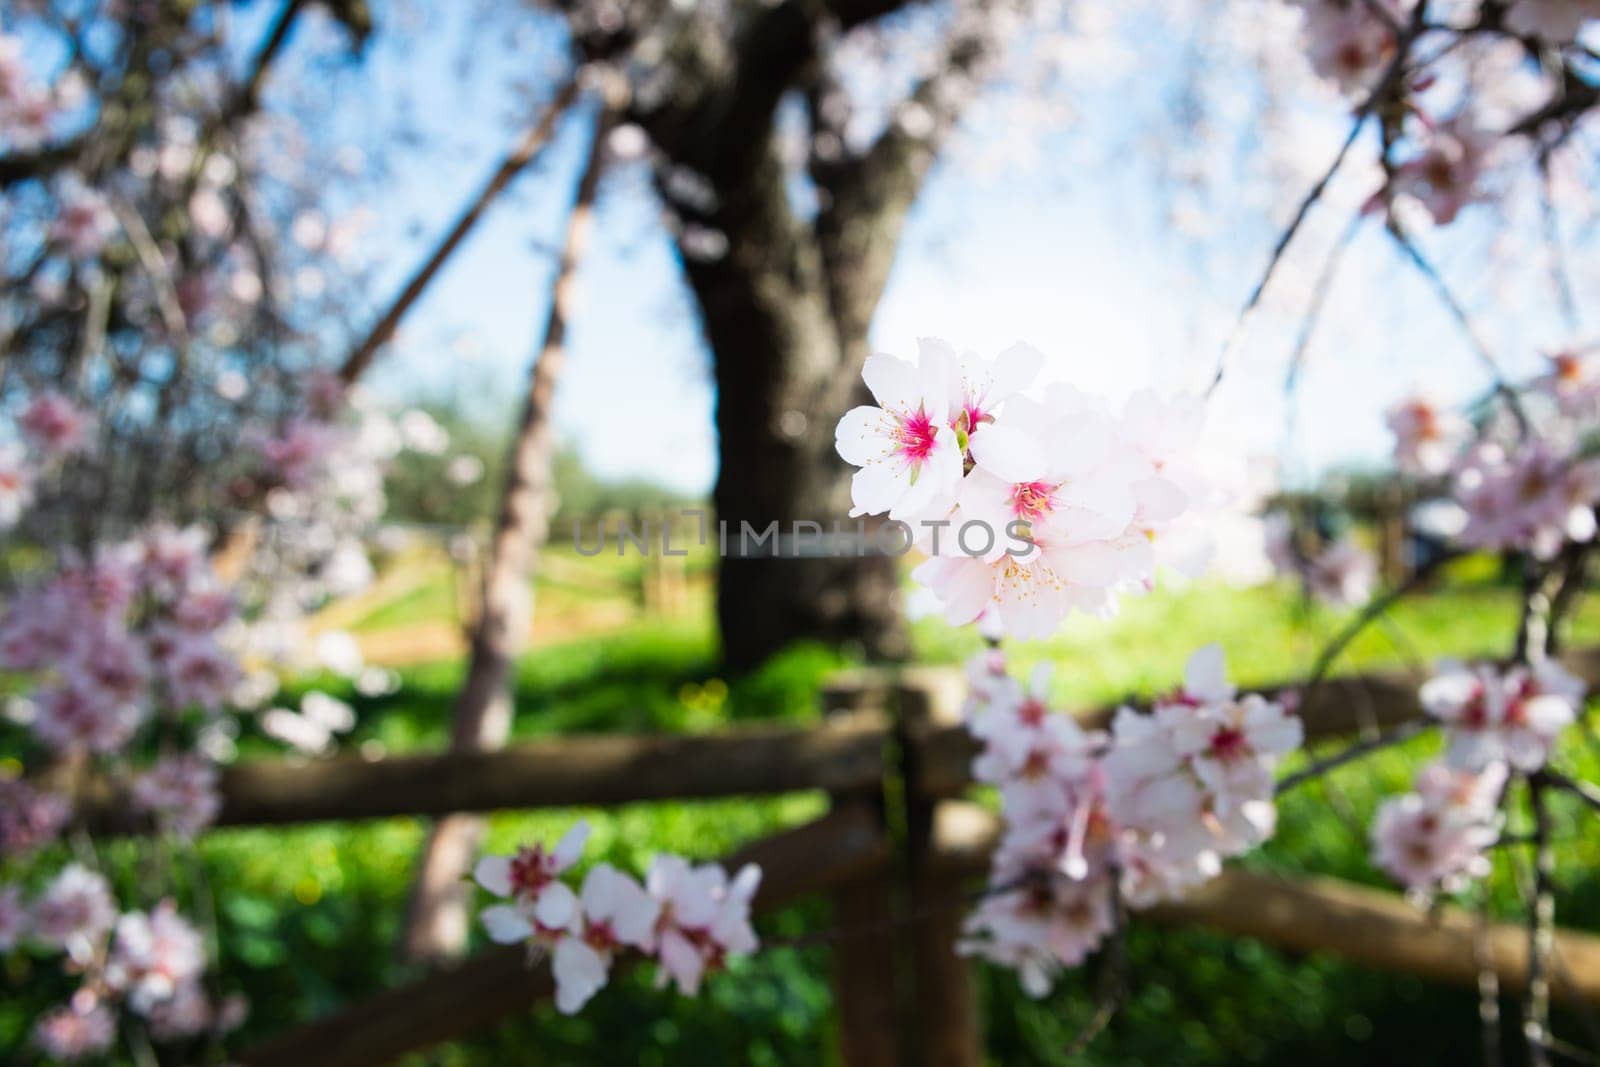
(524, 152)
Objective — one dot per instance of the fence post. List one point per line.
(943, 1029)
(863, 960)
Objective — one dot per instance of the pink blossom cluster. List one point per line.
(1350, 42)
(1493, 715)
(1436, 837)
(1533, 496)
(1558, 21)
(118, 634)
(50, 430)
(1427, 435)
(1030, 509)
(689, 917)
(1150, 809)
(29, 818)
(151, 963)
(1446, 172)
(1573, 381)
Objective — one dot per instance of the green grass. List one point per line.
(309, 916)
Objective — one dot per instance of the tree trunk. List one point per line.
(438, 919)
(778, 355)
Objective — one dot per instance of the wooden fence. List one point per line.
(899, 853)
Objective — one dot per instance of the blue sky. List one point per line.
(1071, 254)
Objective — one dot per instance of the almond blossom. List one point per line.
(1427, 436)
(1445, 176)
(614, 913)
(181, 792)
(86, 1027)
(1156, 805)
(1347, 42)
(29, 818)
(1492, 715)
(1574, 381)
(1554, 20)
(1203, 761)
(1061, 505)
(152, 956)
(908, 449)
(689, 917)
(1535, 498)
(1435, 837)
(540, 902)
(75, 912)
(1039, 930)
(703, 919)
(1340, 572)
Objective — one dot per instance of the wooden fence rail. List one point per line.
(606, 769)
(895, 850)
(844, 754)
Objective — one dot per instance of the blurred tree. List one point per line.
(787, 284)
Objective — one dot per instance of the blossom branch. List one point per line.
(1463, 320)
(1385, 87)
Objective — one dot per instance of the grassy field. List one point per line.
(310, 915)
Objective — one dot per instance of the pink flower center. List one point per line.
(1031, 712)
(915, 436)
(1032, 500)
(1229, 744)
(530, 872)
(599, 936)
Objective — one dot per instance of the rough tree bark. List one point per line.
(438, 919)
(787, 309)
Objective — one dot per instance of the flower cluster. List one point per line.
(1154, 806)
(151, 963)
(1557, 21)
(1029, 509)
(1535, 496)
(117, 635)
(1435, 837)
(1497, 721)
(1350, 42)
(1493, 716)
(690, 918)
(1427, 435)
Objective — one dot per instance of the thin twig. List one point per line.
(1587, 792)
(1385, 86)
(1369, 613)
(1541, 932)
(1113, 982)
(1393, 736)
(1236, 335)
(1488, 987)
(1559, 275)
(526, 149)
(1463, 320)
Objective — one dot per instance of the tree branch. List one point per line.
(524, 152)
